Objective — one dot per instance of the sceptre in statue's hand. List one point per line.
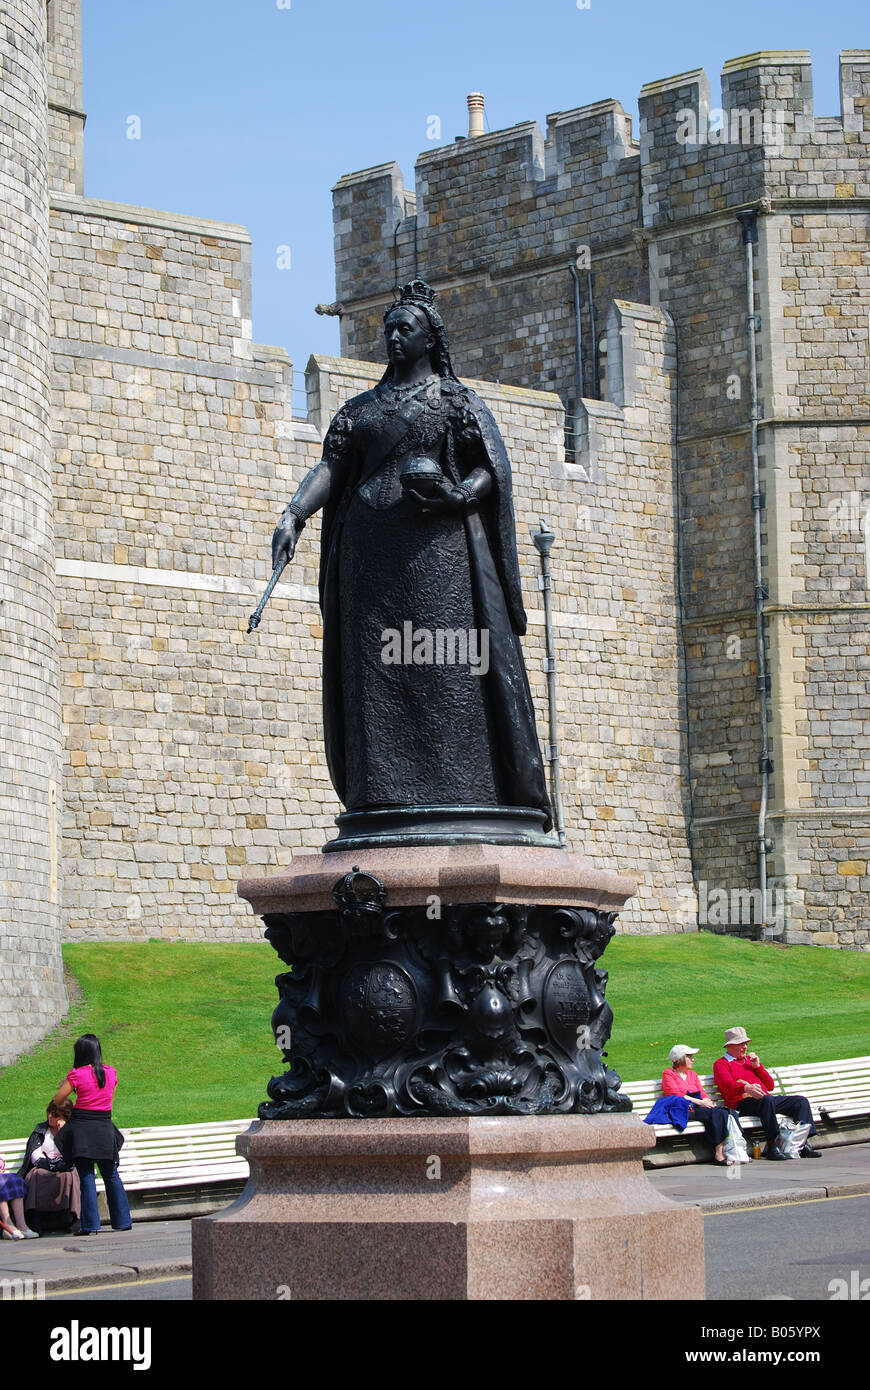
(284, 540)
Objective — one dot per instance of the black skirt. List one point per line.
(90, 1135)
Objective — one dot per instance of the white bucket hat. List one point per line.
(736, 1035)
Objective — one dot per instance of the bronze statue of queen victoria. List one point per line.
(419, 570)
(472, 1007)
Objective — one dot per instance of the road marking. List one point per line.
(794, 1202)
(124, 1284)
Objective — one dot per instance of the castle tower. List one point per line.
(66, 119)
(32, 995)
(500, 225)
(805, 177)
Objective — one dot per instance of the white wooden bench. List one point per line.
(835, 1090)
(161, 1156)
(176, 1156)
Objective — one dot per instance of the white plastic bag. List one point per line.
(735, 1149)
(792, 1136)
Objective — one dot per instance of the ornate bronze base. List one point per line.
(479, 1008)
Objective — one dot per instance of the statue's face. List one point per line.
(406, 338)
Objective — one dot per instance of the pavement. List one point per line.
(843, 1171)
(151, 1249)
(159, 1248)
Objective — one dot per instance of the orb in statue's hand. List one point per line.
(422, 475)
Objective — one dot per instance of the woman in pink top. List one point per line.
(679, 1080)
(91, 1137)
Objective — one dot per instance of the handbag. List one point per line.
(734, 1148)
(792, 1137)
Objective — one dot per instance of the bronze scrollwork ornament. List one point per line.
(491, 1009)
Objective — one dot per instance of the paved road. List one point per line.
(791, 1251)
(786, 1250)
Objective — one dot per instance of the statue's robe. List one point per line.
(415, 735)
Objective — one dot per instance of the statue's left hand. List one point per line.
(445, 500)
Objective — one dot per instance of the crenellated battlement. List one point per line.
(517, 200)
(762, 141)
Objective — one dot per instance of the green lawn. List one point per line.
(187, 1024)
(798, 1003)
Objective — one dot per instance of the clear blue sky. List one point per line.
(251, 112)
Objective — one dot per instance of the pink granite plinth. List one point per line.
(545, 1207)
(456, 873)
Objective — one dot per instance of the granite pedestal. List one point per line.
(544, 1207)
(453, 873)
(447, 1127)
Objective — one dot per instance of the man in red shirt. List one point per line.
(746, 1087)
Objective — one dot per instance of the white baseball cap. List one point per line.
(680, 1051)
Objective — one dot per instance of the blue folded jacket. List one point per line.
(673, 1110)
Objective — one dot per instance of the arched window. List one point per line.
(49, 20)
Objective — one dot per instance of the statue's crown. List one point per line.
(417, 292)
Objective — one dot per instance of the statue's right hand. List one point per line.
(284, 539)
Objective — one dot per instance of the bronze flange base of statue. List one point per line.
(441, 825)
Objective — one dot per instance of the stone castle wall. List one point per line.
(809, 178)
(494, 224)
(31, 989)
(192, 749)
(194, 753)
(66, 119)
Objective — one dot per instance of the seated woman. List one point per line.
(679, 1080)
(53, 1201)
(12, 1192)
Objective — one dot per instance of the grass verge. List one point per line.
(187, 1024)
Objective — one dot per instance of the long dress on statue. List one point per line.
(423, 732)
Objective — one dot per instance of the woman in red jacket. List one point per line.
(679, 1080)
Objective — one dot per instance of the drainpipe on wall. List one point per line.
(596, 387)
(578, 339)
(749, 222)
